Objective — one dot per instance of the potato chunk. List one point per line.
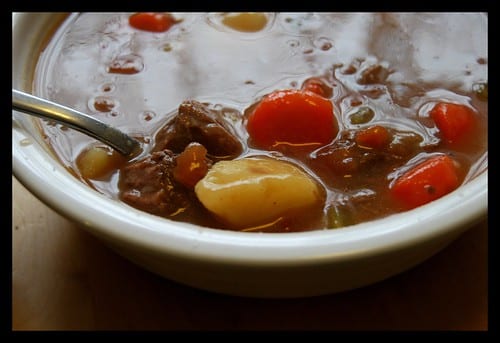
(246, 21)
(255, 191)
(97, 162)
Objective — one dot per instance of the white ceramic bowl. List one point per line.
(237, 263)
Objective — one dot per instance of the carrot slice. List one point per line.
(454, 121)
(152, 21)
(427, 181)
(191, 165)
(374, 137)
(292, 118)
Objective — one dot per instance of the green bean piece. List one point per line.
(363, 115)
(338, 216)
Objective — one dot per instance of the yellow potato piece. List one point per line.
(97, 162)
(254, 191)
(246, 21)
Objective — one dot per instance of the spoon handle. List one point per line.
(79, 121)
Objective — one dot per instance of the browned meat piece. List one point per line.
(149, 185)
(195, 122)
(351, 164)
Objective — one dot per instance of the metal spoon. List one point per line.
(79, 121)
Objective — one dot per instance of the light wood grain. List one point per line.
(65, 279)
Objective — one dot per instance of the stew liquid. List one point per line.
(273, 122)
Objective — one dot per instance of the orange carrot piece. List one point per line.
(293, 118)
(454, 121)
(427, 181)
(191, 165)
(152, 21)
(374, 137)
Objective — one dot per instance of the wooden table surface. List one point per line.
(65, 279)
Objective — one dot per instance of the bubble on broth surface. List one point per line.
(126, 64)
(102, 103)
(147, 115)
(323, 43)
(107, 87)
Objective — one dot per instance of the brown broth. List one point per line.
(396, 64)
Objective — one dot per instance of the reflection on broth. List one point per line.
(367, 114)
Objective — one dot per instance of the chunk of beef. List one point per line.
(351, 165)
(195, 122)
(149, 185)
